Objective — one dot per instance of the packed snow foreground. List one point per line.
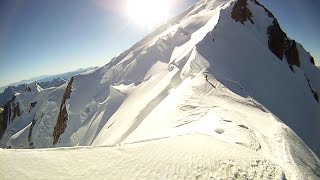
(219, 92)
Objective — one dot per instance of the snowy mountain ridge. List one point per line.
(12, 91)
(47, 78)
(218, 92)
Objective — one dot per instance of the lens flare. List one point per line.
(148, 12)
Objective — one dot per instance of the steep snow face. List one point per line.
(219, 79)
(242, 57)
(7, 95)
(22, 112)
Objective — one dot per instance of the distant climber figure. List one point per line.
(209, 81)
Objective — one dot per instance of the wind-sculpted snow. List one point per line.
(174, 158)
(216, 93)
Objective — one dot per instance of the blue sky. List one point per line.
(40, 37)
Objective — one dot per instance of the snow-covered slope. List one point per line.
(219, 91)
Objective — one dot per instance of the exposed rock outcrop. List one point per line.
(63, 115)
(28, 89)
(10, 112)
(276, 39)
(32, 105)
(1, 121)
(5, 118)
(241, 13)
(279, 43)
(314, 93)
(292, 54)
(16, 111)
(312, 60)
(30, 132)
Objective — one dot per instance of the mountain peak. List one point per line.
(33, 88)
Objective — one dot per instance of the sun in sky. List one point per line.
(148, 13)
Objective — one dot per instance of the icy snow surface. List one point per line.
(202, 97)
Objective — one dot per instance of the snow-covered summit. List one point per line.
(34, 88)
(219, 92)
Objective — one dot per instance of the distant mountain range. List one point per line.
(46, 78)
(44, 82)
(12, 91)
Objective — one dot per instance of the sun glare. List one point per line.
(148, 13)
